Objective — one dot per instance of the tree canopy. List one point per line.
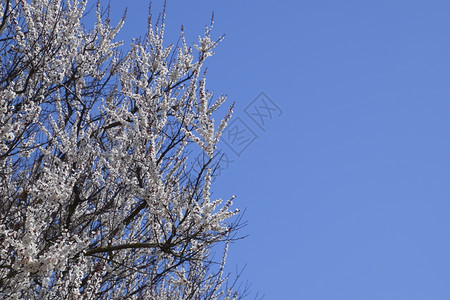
(106, 160)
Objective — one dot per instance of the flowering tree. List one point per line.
(98, 196)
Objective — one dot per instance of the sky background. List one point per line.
(346, 185)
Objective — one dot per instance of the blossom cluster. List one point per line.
(106, 161)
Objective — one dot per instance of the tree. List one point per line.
(106, 161)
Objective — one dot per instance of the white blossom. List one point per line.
(106, 161)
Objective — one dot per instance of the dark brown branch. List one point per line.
(108, 249)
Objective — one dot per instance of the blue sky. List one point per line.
(347, 188)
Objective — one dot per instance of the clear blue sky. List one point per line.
(348, 191)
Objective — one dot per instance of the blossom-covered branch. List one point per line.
(98, 195)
